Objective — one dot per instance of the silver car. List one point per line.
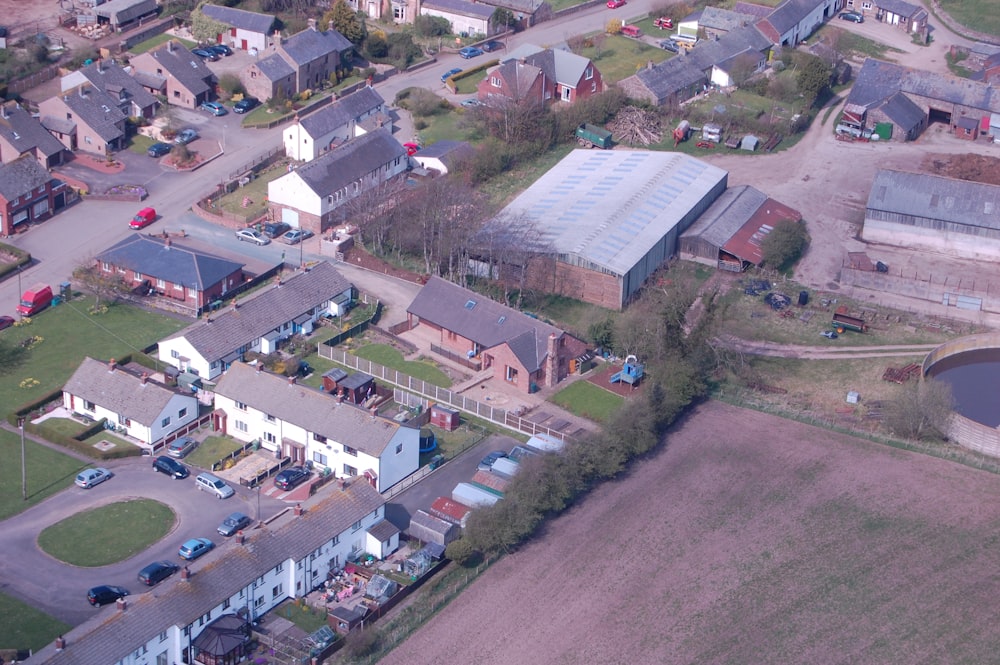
(250, 235)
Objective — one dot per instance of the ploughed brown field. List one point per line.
(747, 539)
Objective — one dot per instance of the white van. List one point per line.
(209, 483)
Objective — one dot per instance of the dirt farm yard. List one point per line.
(747, 539)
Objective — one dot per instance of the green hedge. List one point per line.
(23, 259)
(25, 409)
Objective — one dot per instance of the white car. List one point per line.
(90, 477)
(250, 235)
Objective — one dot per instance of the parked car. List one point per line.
(615, 4)
(295, 236)
(276, 229)
(206, 482)
(451, 72)
(90, 477)
(185, 136)
(194, 548)
(159, 149)
(632, 31)
(251, 235)
(472, 102)
(411, 149)
(156, 572)
(829, 334)
(492, 45)
(143, 218)
(234, 523)
(487, 462)
(220, 49)
(6, 322)
(669, 45)
(470, 52)
(105, 593)
(205, 54)
(181, 447)
(851, 16)
(291, 477)
(245, 105)
(171, 467)
(663, 23)
(215, 108)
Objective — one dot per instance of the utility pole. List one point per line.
(24, 475)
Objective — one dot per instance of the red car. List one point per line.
(664, 23)
(615, 4)
(6, 322)
(143, 218)
(411, 148)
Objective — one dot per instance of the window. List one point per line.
(163, 636)
(241, 406)
(276, 591)
(241, 426)
(178, 287)
(182, 413)
(280, 567)
(350, 470)
(589, 74)
(86, 139)
(269, 418)
(398, 12)
(593, 86)
(511, 374)
(105, 266)
(160, 284)
(257, 603)
(138, 276)
(270, 438)
(161, 658)
(88, 405)
(120, 270)
(350, 451)
(165, 422)
(225, 604)
(319, 458)
(319, 437)
(495, 81)
(399, 448)
(356, 526)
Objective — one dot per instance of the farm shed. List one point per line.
(605, 220)
(431, 529)
(729, 235)
(472, 496)
(546, 443)
(122, 13)
(930, 212)
(490, 482)
(450, 510)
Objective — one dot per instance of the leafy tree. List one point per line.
(784, 244)
(502, 19)
(431, 26)
(461, 552)
(402, 49)
(602, 333)
(812, 77)
(206, 29)
(230, 85)
(922, 410)
(613, 27)
(12, 356)
(376, 46)
(346, 21)
(104, 286)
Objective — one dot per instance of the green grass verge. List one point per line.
(255, 190)
(153, 42)
(978, 15)
(139, 144)
(24, 627)
(211, 450)
(589, 401)
(450, 126)
(851, 44)
(47, 471)
(621, 57)
(107, 534)
(69, 333)
(383, 354)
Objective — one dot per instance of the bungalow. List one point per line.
(241, 583)
(303, 61)
(522, 350)
(259, 323)
(29, 194)
(21, 134)
(247, 31)
(344, 119)
(312, 427)
(465, 17)
(542, 75)
(313, 196)
(86, 119)
(172, 271)
(148, 411)
(173, 71)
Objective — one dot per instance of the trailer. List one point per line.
(590, 136)
(844, 322)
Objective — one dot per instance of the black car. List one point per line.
(157, 572)
(171, 467)
(104, 594)
(159, 149)
(245, 105)
(275, 229)
(234, 523)
(491, 46)
(669, 45)
(220, 49)
(291, 477)
(205, 54)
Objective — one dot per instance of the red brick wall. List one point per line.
(502, 358)
(549, 275)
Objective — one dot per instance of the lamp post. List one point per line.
(24, 475)
(19, 291)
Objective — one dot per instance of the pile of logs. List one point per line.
(634, 126)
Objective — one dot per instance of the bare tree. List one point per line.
(922, 410)
(511, 246)
(105, 286)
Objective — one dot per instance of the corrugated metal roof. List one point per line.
(727, 215)
(609, 208)
(959, 202)
(746, 242)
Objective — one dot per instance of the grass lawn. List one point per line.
(48, 471)
(107, 534)
(383, 354)
(622, 57)
(589, 401)
(69, 333)
(979, 15)
(852, 44)
(503, 189)
(153, 42)
(255, 190)
(24, 627)
(309, 619)
(451, 126)
(140, 144)
(211, 450)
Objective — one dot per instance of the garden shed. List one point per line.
(332, 379)
(430, 529)
(749, 142)
(345, 619)
(357, 387)
(445, 418)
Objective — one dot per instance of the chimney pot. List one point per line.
(185, 573)
(60, 643)
(121, 604)
(112, 364)
(298, 509)
(144, 378)
(291, 380)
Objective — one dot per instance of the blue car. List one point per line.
(451, 72)
(215, 108)
(194, 548)
(470, 52)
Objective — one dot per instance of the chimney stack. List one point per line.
(100, 65)
(60, 643)
(143, 379)
(170, 46)
(329, 26)
(240, 538)
(298, 510)
(291, 380)
(121, 604)
(185, 573)
(112, 364)
(312, 24)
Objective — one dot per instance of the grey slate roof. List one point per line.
(727, 215)
(98, 110)
(959, 202)
(448, 152)
(26, 133)
(222, 333)
(105, 75)
(345, 164)
(342, 111)
(119, 391)
(525, 6)
(877, 81)
(21, 176)
(240, 18)
(184, 66)
(519, 76)
(709, 53)
(903, 112)
(461, 7)
(123, 11)
(560, 66)
(150, 80)
(174, 263)
(760, 11)
(790, 12)
(308, 45)
(665, 78)
(900, 7)
(724, 19)
(309, 408)
(58, 125)
(111, 637)
(484, 321)
(274, 67)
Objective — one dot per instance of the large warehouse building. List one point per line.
(607, 219)
(930, 212)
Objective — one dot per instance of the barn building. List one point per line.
(729, 235)
(930, 212)
(603, 221)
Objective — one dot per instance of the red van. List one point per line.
(35, 300)
(143, 218)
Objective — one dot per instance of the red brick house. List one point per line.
(521, 350)
(29, 194)
(541, 75)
